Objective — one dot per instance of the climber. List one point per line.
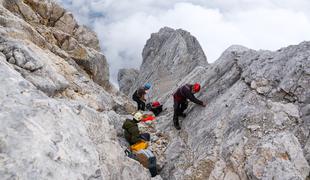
(180, 101)
(131, 130)
(139, 96)
(155, 107)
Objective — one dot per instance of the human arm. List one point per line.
(192, 98)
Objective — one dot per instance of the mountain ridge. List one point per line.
(255, 120)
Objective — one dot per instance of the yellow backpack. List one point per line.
(139, 145)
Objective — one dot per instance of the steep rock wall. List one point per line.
(168, 56)
(253, 126)
(126, 78)
(57, 106)
(256, 123)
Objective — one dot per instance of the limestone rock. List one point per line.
(174, 54)
(44, 138)
(15, 27)
(27, 12)
(34, 67)
(49, 26)
(59, 123)
(37, 133)
(278, 157)
(55, 118)
(35, 11)
(254, 98)
(126, 78)
(66, 23)
(96, 65)
(87, 37)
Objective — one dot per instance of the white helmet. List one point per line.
(138, 116)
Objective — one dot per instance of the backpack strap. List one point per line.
(130, 154)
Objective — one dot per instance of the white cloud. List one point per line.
(124, 26)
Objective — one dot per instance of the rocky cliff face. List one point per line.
(256, 123)
(126, 78)
(166, 54)
(49, 26)
(57, 106)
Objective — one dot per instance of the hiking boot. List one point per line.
(177, 126)
(176, 123)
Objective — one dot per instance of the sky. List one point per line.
(123, 26)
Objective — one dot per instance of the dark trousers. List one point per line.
(179, 108)
(145, 136)
(141, 104)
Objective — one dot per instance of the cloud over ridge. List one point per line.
(123, 26)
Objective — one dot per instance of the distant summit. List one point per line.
(168, 56)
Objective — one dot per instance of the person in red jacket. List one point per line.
(180, 101)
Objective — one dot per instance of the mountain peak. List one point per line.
(174, 53)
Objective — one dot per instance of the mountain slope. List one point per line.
(61, 118)
(57, 105)
(256, 123)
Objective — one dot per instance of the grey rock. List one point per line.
(31, 130)
(19, 58)
(56, 12)
(126, 79)
(305, 110)
(2, 56)
(307, 150)
(174, 54)
(60, 36)
(45, 138)
(32, 64)
(21, 29)
(55, 120)
(66, 23)
(27, 12)
(58, 31)
(96, 65)
(251, 95)
(92, 61)
(35, 11)
(87, 37)
(278, 156)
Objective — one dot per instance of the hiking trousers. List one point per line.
(141, 104)
(179, 108)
